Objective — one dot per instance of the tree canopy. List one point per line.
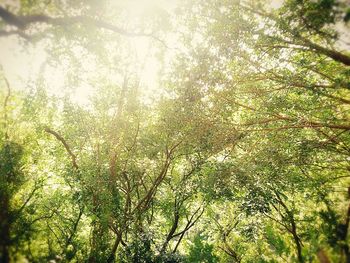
(175, 131)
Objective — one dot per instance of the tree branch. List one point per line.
(66, 146)
(23, 22)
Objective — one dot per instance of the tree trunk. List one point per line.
(114, 249)
(296, 240)
(5, 256)
(299, 249)
(4, 230)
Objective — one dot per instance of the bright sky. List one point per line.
(23, 63)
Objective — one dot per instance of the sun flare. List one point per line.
(178, 131)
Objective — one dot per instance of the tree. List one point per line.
(238, 152)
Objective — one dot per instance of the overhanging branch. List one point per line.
(23, 22)
(66, 146)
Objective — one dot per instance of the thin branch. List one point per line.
(66, 146)
(23, 22)
(191, 222)
(28, 199)
(5, 106)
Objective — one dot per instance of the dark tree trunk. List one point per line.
(4, 230)
(111, 257)
(299, 248)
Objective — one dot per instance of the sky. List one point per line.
(22, 64)
(23, 61)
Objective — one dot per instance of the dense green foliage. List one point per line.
(239, 151)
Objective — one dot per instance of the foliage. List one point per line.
(237, 150)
